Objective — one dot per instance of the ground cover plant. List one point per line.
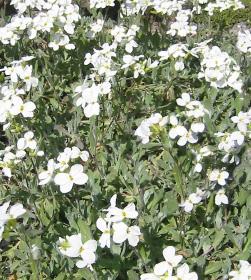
(125, 139)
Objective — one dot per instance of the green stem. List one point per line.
(176, 169)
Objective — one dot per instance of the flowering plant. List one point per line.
(125, 141)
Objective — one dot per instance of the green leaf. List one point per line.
(213, 267)
(84, 230)
(132, 275)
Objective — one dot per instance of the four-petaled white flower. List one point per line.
(105, 227)
(67, 180)
(184, 274)
(194, 198)
(218, 176)
(27, 141)
(221, 198)
(87, 253)
(122, 232)
(73, 247)
(117, 214)
(177, 129)
(19, 107)
(171, 261)
(46, 176)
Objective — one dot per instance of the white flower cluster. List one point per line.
(104, 68)
(222, 5)
(18, 81)
(194, 111)
(88, 96)
(219, 69)
(145, 130)
(131, 7)
(177, 52)
(99, 81)
(179, 131)
(231, 143)
(125, 37)
(165, 269)
(215, 176)
(55, 17)
(9, 213)
(219, 177)
(66, 174)
(243, 273)
(181, 26)
(138, 67)
(95, 28)
(102, 61)
(244, 41)
(114, 224)
(101, 4)
(72, 247)
(9, 159)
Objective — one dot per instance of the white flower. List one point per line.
(67, 180)
(184, 100)
(218, 176)
(244, 272)
(5, 106)
(144, 130)
(176, 51)
(73, 247)
(242, 121)
(105, 227)
(219, 69)
(46, 176)
(87, 253)
(101, 3)
(89, 99)
(184, 274)
(19, 107)
(244, 41)
(198, 167)
(96, 27)
(27, 141)
(194, 198)
(150, 276)
(189, 136)
(179, 65)
(171, 261)
(197, 127)
(26, 75)
(76, 153)
(14, 212)
(3, 213)
(122, 232)
(70, 246)
(237, 138)
(176, 130)
(64, 159)
(221, 198)
(117, 214)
